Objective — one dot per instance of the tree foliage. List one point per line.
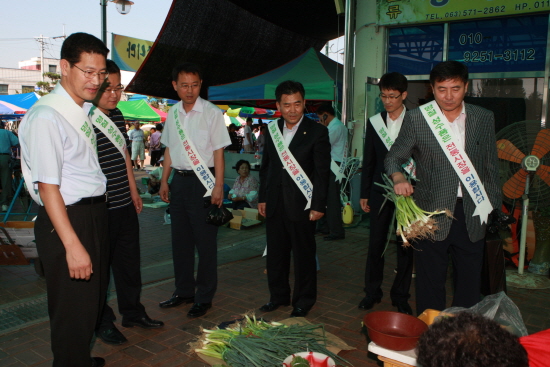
(47, 87)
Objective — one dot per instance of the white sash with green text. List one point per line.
(290, 163)
(189, 151)
(380, 127)
(76, 117)
(108, 127)
(458, 158)
(339, 170)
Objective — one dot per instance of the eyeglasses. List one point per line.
(383, 96)
(92, 74)
(189, 86)
(114, 90)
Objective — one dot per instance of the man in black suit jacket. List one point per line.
(393, 92)
(290, 222)
(440, 187)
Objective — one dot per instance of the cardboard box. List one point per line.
(245, 218)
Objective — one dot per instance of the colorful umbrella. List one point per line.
(237, 121)
(7, 108)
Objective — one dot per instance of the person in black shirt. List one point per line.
(124, 204)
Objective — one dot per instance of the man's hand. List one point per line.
(164, 190)
(236, 198)
(79, 262)
(217, 196)
(136, 199)
(315, 215)
(261, 209)
(400, 184)
(364, 205)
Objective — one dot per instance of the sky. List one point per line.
(24, 20)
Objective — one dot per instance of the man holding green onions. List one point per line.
(456, 141)
(382, 130)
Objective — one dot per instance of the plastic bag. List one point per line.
(218, 216)
(497, 307)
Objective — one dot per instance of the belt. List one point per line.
(189, 172)
(91, 200)
(5, 154)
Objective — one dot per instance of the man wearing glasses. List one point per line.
(62, 173)
(382, 130)
(124, 204)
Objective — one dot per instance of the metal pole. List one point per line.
(42, 56)
(347, 87)
(103, 4)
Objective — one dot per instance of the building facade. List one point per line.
(24, 79)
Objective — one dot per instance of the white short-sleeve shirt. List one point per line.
(56, 153)
(204, 126)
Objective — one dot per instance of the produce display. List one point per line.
(413, 223)
(255, 342)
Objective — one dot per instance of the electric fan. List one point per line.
(524, 166)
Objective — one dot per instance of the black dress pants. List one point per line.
(380, 220)
(125, 261)
(283, 238)
(189, 231)
(331, 222)
(432, 261)
(74, 306)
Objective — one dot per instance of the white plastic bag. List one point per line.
(497, 307)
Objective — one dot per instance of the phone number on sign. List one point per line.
(470, 12)
(526, 54)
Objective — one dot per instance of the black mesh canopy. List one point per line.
(234, 40)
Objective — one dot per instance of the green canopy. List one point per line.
(138, 111)
(319, 75)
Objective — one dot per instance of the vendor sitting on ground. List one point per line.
(244, 193)
(153, 186)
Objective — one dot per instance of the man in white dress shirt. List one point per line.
(331, 224)
(195, 135)
(62, 172)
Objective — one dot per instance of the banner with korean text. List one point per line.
(391, 12)
(128, 53)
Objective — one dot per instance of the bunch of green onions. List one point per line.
(413, 223)
(253, 342)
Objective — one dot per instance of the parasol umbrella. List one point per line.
(7, 108)
(237, 121)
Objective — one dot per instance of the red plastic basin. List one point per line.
(394, 330)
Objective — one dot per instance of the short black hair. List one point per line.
(160, 127)
(249, 119)
(77, 43)
(187, 68)
(325, 107)
(289, 87)
(448, 70)
(112, 67)
(469, 339)
(393, 81)
(240, 163)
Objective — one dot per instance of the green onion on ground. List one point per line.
(413, 223)
(257, 343)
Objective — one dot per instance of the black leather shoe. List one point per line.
(299, 312)
(97, 362)
(198, 309)
(270, 306)
(331, 237)
(112, 336)
(145, 322)
(368, 302)
(176, 300)
(403, 307)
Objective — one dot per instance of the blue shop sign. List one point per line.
(500, 45)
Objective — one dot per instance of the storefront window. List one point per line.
(501, 44)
